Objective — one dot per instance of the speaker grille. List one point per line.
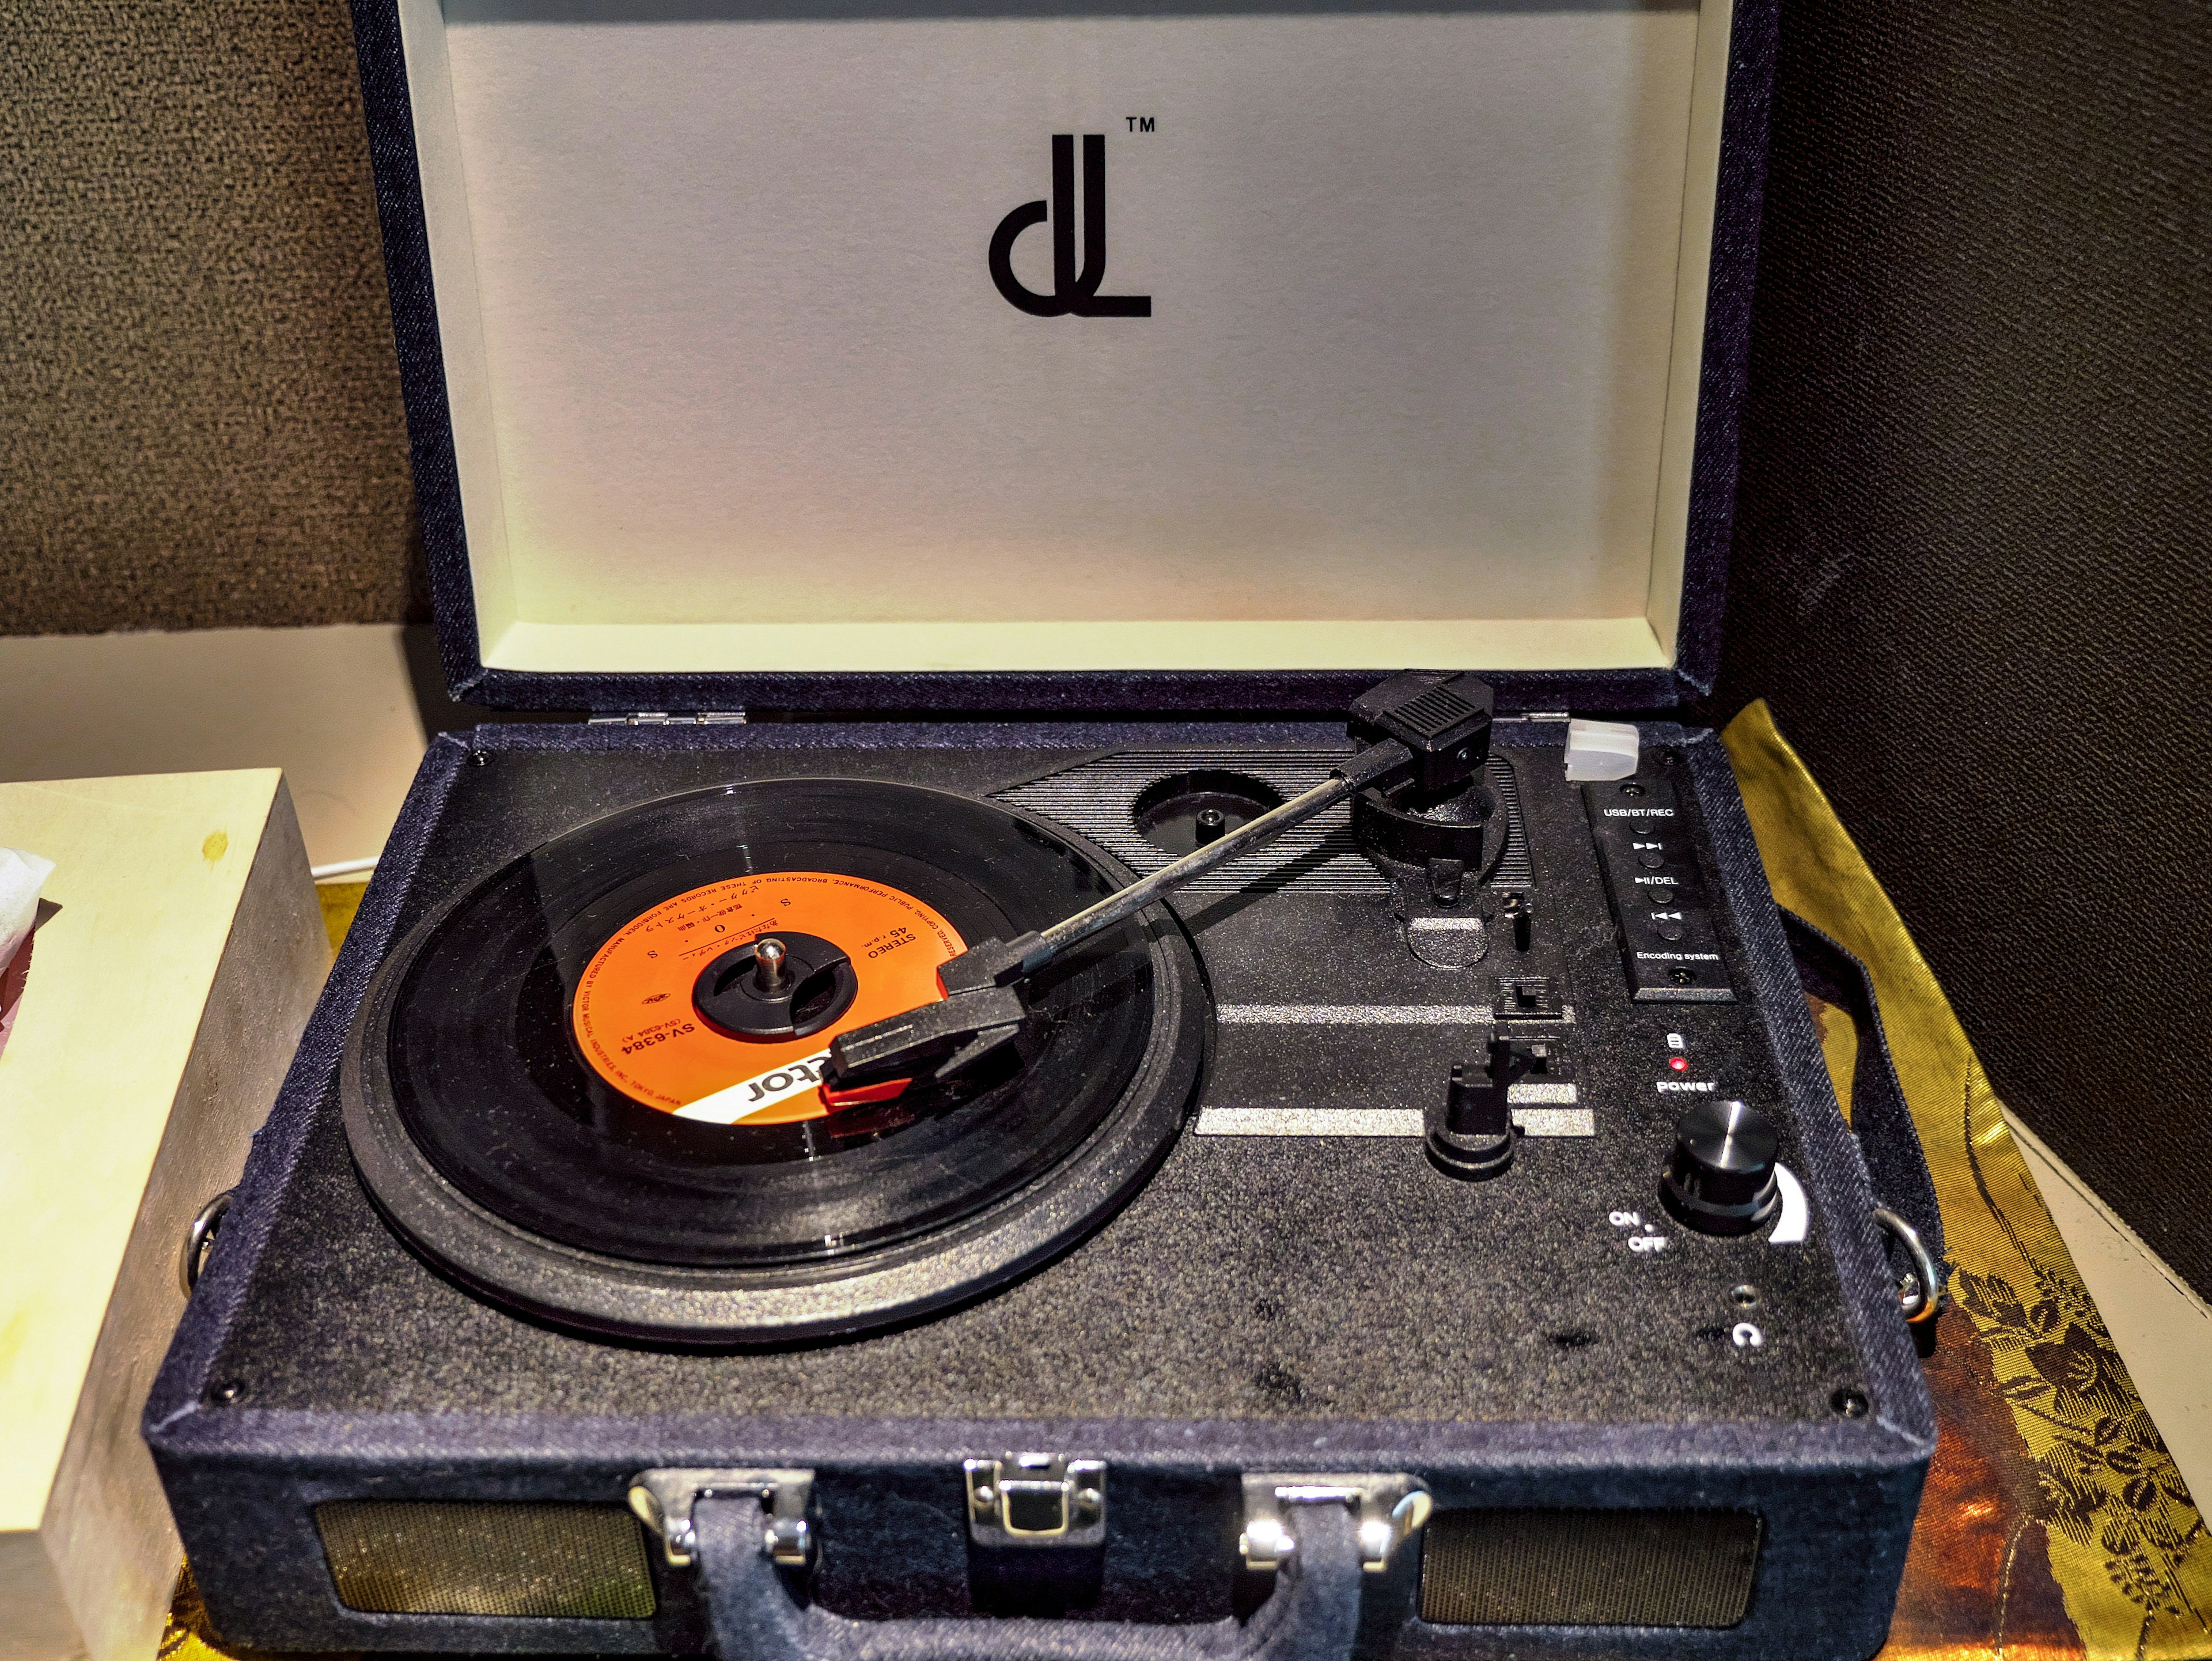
(413, 1557)
(1588, 1568)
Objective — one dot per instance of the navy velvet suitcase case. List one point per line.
(1283, 1385)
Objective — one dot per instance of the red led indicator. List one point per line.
(1680, 1063)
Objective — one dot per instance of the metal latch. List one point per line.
(1391, 1508)
(663, 1501)
(1036, 1499)
(671, 718)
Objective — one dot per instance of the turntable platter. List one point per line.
(578, 1089)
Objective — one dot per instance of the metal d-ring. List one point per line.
(1920, 1304)
(199, 1237)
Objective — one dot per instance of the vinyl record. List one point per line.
(646, 1017)
(555, 1091)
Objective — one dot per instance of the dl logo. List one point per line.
(1074, 294)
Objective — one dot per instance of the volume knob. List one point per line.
(1720, 1179)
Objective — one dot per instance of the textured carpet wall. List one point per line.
(200, 423)
(1975, 528)
(1971, 565)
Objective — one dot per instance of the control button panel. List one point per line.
(1669, 944)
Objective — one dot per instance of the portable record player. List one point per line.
(1016, 1090)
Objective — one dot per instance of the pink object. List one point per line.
(12, 978)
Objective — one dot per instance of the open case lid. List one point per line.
(766, 353)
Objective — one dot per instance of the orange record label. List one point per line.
(635, 1022)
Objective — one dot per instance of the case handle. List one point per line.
(1897, 1166)
(1312, 1615)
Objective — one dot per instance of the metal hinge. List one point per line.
(663, 1501)
(1036, 1499)
(1391, 1508)
(675, 718)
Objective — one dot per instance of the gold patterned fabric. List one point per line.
(2054, 1523)
(340, 900)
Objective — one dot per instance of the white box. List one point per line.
(163, 1003)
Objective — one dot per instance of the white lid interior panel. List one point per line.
(734, 388)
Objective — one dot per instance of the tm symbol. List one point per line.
(1140, 124)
